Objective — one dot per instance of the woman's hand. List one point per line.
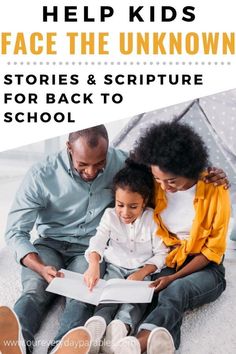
(92, 275)
(161, 283)
(217, 176)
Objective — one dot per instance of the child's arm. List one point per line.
(99, 241)
(92, 274)
(142, 272)
(95, 251)
(159, 253)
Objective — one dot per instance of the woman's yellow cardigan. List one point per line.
(209, 228)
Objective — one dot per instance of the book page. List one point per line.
(73, 286)
(126, 291)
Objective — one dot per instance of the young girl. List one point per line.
(126, 238)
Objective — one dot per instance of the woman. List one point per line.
(192, 218)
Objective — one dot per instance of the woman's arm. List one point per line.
(197, 263)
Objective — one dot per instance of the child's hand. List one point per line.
(92, 275)
(142, 272)
(136, 275)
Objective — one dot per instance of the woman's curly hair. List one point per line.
(136, 178)
(174, 147)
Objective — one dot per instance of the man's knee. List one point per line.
(35, 287)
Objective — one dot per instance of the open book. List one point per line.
(110, 291)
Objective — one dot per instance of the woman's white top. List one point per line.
(128, 245)
(179, 214)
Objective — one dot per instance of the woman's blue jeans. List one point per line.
(168, 307)
(34, 302)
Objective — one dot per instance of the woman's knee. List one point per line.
(174, 290)
(175, 296)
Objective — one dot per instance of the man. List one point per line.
(65, 196)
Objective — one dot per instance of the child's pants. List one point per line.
(130, 314)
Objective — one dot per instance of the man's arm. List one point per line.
(34, 262)
(29, 200)
(23, 214)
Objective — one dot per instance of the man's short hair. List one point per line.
(92, 135)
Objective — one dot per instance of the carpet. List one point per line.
(210, 329)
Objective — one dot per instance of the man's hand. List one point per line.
(35, 263)
(92, 275)
(217, 176)
(50, 272)
(161, 283)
